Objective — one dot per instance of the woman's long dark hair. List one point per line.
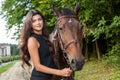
(26, 33)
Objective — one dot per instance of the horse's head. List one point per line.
(69, 35)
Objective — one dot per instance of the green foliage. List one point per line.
(102, 18)
(14, 11)
(114, 29)
(9, 58)
(113, 59)
(45, 6)
(14, 49)
(114, 56)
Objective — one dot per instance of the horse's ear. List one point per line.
(56, 11)
(77, 8)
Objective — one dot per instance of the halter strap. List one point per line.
(69, 16)
(72, 41)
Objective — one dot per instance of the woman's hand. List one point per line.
(66, 72)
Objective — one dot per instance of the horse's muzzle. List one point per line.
(77, 65)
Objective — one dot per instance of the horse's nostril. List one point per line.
(73, 61)
(77, 65)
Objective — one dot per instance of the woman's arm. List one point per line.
(33, 46)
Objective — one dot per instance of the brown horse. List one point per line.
(67, 40)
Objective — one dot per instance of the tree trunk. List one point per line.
(110, 8)
(86, 49)
(98, 50)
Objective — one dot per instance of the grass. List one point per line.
(6, 67)
(97, 70)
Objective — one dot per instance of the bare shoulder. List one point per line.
(32, 41)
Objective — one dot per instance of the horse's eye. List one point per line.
(60, 28)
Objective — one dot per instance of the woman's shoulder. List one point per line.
(32, 41)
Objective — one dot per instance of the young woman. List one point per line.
(35, 45)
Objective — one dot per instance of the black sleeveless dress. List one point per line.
(45, 59)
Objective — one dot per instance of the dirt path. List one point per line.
(15, 73)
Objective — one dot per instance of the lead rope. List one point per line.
(68, 62)
(64, 52)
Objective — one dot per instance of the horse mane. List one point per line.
(67, 11)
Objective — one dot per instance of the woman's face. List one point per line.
(37, 23)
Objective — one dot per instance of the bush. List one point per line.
(9, 58)
(114, 55)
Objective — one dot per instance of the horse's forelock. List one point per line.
(67, 11)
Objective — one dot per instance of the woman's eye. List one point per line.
(40, 19)
(33, 21)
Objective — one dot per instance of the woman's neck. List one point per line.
(37, 32)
